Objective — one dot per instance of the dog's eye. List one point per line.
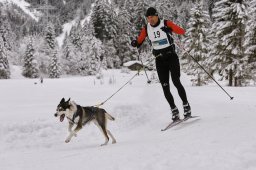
(60, 109)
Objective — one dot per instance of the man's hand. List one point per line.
(134, 43)
(166, 29)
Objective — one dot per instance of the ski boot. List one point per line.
(175, 114)
(187, 110)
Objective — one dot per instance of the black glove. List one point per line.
(166, 29)
(134, 43)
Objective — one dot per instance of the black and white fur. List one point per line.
(80, 116)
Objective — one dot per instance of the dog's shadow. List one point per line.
(186, 123)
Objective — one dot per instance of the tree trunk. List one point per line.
(230, 77)
(235, 81)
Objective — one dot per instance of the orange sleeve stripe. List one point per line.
(142, 35)
(175, 28)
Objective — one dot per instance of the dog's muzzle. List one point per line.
(61, 116)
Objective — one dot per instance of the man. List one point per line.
(158, 31)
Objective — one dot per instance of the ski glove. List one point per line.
(166, 29)
(134, 43)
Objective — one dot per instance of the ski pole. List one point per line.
(149, 81)
(182, 48)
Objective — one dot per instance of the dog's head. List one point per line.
(63, 109)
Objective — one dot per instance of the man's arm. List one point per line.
(175, 28)
(138, 42)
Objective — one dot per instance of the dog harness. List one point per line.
(79, 113)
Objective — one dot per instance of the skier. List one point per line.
(158, 31)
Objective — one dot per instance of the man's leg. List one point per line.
(175, 73)
(163, 75)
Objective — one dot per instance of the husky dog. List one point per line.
(80, 116)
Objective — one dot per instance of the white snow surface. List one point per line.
(24, 6)
(31, 138)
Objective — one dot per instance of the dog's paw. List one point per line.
(113, 142)
(75, 135)
(104, 144)
(67, 140)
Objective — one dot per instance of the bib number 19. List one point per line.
(157, 34)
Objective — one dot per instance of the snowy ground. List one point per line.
(31, 138)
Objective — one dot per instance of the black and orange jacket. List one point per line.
(175, 28)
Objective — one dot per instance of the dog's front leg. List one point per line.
(70, 125)
(73, 133)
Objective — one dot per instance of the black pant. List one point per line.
(165, 63)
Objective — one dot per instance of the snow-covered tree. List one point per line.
(50, 36)
(103, 19)
(94, 56)
(197, 44)
(110, 54)
(249, 59)
(167, 9)
(71, 58)
(54, 67)
(30, 67)
(8, 37)
(4, 64)
(139, 19)
(123, 39)
(229, 27)
(75, 35)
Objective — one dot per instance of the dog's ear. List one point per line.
(68, 100)
(62, 100)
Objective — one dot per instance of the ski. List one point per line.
(172, 124)
(190, 117)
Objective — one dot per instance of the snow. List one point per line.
(32, 138)
(66, 29)
(24, 6)
(88, 17)
(129, 63)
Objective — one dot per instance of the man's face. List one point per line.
(152, 20)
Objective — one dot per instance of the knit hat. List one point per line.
(151, 12)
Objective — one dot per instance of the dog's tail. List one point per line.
(109, 116)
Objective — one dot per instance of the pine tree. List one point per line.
(30, 67)
(249, 59)
(102, 20)
(4, 64)
(122, 41)
(139, 19)
(229, 26)
(197, 44)
(8, 37)
(75, 35)
(50, 39)
(95, 56)
(167, 9)
(71, 57)
(54, 68)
